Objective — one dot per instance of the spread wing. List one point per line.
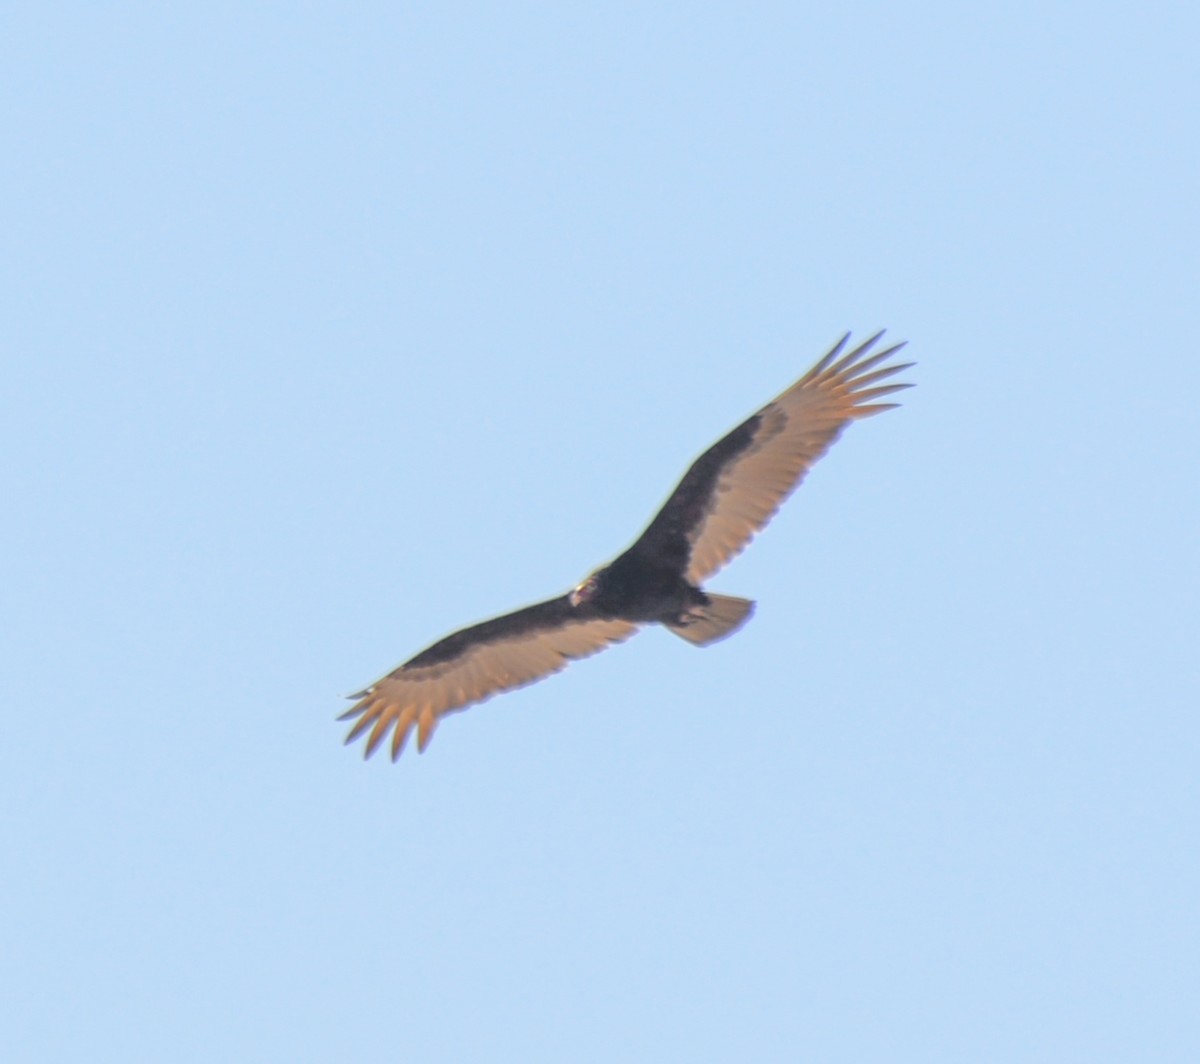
(476, 663)
(737, 485)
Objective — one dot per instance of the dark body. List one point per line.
(727, 495)
(645, 584)
(639, 586)
(635, 587)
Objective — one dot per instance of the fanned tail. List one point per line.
(723, 616)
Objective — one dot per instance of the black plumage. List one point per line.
(729, 493)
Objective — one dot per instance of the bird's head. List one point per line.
(585, 591)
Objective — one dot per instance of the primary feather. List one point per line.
(737, 485)
(475, 663)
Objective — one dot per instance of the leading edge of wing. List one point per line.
(474, 663)
(736, 486)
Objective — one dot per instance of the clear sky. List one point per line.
(328, 329)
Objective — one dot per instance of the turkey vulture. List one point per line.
(729, 494)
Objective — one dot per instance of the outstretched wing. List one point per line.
(476, 663)
(737, 485)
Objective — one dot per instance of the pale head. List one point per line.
(585, 591)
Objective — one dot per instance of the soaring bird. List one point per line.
(731, 491)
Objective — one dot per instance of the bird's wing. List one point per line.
(737, 485)
(476, 663)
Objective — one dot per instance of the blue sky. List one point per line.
(329, 329)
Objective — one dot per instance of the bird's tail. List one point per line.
(722, 616)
